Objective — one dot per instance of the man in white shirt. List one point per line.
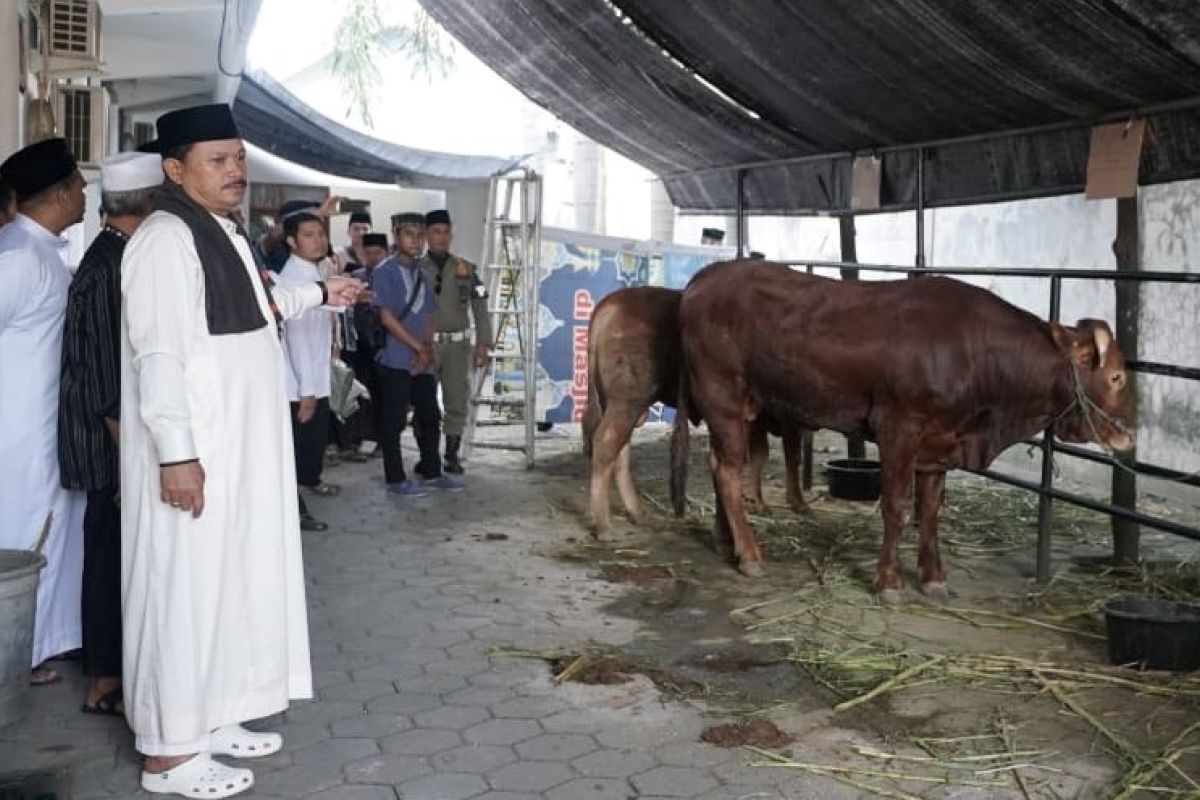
(212, 580)
(308, 347)
(33, 301)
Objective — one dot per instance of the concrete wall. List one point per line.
(1170, 325)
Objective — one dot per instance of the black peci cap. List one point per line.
(38, 166)
(186, 126)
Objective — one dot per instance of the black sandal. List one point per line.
(310, 523)
(109, 705)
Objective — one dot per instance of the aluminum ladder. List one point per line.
(511, 262)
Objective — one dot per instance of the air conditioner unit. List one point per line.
(82, 115)
(73, 36)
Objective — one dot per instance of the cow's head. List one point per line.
(1100, 411)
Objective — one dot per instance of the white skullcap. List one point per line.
(127, 172)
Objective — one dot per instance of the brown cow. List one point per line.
(633, 362)
(941, 374)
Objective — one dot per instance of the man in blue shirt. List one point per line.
(404, 367)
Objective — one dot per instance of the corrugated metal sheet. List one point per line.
(827, 78)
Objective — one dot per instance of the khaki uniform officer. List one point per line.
(459, 290)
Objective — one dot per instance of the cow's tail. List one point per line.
(594, 411)
(680, 446)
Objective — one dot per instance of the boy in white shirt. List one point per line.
(308, 345)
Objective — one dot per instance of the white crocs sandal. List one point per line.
(234, 740)
(199, 777)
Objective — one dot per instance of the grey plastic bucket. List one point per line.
(18, 598)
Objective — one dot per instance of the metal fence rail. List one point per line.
(1045, 488)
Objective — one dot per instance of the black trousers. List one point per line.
(398, 389)
(309, 439)
(362, 361)
(101, 595)
(346, 435)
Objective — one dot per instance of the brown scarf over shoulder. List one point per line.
(229, 302)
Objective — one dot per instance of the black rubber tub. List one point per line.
(854, 478)
(1153, 634)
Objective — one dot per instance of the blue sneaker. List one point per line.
(407, 489)
(445, 483)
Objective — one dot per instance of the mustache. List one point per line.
(235, 184)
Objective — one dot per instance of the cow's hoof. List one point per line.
(601, 534)
(936, 591)
(751, 569)
(891, 597)
(637, 517)
(799, 508)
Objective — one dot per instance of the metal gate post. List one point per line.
(1045, 501)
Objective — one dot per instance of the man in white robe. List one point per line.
(215, 627)
(33, 302)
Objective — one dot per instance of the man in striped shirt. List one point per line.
(89, 406)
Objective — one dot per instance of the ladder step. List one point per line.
(508, 267)
(506, 311)
(518, 448)
(496, 401)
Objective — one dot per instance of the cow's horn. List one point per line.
(1103, 340)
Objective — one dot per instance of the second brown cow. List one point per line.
(633, 363)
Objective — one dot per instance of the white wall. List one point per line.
(12, 102)
(467, 204)
(384, 203)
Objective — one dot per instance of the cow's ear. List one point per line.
(1064, 337)
(1073, 344)
(1097, 336)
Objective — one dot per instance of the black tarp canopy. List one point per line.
(998, 95)
(272, 118)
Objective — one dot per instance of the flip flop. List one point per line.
(44, 676)
(109, 705)
(234, 740)
(199, 777)
(323, 489)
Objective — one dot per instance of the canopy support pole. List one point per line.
(740, 233)
(1126, 533)
(920, 259)
(855, 444)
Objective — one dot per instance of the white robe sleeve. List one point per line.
(160, 280)
(303, 335)
(293, 299)
(18, 279)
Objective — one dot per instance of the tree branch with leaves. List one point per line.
(363, 38)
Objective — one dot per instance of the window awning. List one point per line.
(998, 94)
(272, 118)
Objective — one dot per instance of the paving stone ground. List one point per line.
(408, 601)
